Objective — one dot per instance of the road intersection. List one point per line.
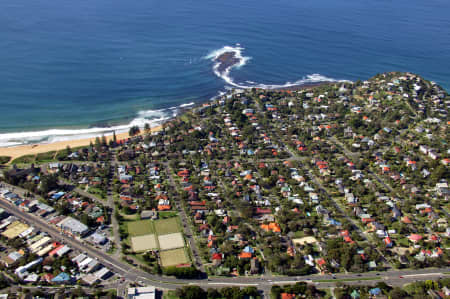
(130, 273)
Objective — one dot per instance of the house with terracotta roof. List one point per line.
(245, 255)
(388, 242)
(273, 226)
(217, 259)
(415, 238)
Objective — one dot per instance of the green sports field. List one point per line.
(140, 228)
(167, 226)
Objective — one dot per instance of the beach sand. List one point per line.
(33, 149)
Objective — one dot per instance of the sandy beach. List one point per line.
(33, 149)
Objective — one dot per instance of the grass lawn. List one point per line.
(167, 226)
(404, 242)
(4, 159)
(132, 217)
(97, 191)
(170, 295)
(140, 228)
(173, 257)
(24, 159)
(45, 157)
(167, 214)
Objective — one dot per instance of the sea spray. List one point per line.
(236, 59)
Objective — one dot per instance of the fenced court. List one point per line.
(140, 228)
(171, 241)
(167, 226)
(173, 257)
(144, 243)
(164, 235)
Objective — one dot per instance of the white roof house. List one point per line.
(142, 293)
(73, 225)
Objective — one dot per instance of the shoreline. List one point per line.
(17, 151)
(38, 148)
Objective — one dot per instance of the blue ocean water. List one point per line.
(66, 65)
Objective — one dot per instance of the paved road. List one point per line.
(184, 220)
(370, 172)
(130, 273)
(114, 221)
(351, 155)
(338, 207)
(114, 264)
(133, 274)
(85, 193)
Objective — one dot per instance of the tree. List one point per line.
(191, 292)
(104, 140)
(276, 291)
(182, 272)
(213, 294)
(398, 293)
(231, 292)
(48, 183)
(134, 130)
(250, 291)
(440, 172)
(98, 143)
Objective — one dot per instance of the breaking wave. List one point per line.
(222, 70)
(225, 73)
(222, 66)
(151, 117)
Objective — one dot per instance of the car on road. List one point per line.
(400, 276)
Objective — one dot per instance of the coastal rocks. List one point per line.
(226, 61)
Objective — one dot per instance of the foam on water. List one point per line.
(225, 75)
(156, 117)
(152, 117)
(242, 60)
(187, 105)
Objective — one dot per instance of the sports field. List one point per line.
(173, 257)
(144, 243)
(140, 228)
(15, 229)
(164, 235)
(167, 226)
(171, 241)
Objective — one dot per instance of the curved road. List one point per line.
(133, 274)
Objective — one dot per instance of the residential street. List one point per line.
(134, 275)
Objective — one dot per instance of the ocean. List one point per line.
(74, 69)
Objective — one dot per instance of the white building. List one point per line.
(142, 293)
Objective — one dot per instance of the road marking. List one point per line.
(233, 284)
(285, 281)
(425, 274)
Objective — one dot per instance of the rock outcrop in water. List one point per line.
(226, 60)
